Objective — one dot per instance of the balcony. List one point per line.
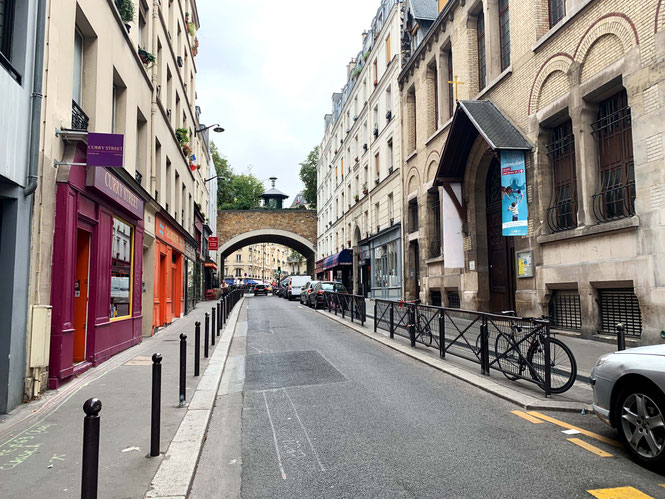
(79, 118)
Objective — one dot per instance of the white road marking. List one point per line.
(274, 437)
(316, 454)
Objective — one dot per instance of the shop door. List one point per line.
(174, 287)
(81, 294)
(162, 289)
(499, 248)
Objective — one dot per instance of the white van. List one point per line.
(294, 286)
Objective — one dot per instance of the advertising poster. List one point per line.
(515, 219)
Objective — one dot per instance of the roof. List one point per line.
(299, 200)
(274, 193)
(471, 119)
(425, 9)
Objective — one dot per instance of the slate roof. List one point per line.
(299, 200)
(493, 125)
(425, 9)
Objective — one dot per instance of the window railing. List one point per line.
(79, 118)
(562, 214)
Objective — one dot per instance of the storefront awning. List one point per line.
(318, 266)
(210, 265)
(473, 118)
(344, 257)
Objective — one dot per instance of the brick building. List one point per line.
(574, 88)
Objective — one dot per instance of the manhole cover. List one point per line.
(139, 360)
(265, 371)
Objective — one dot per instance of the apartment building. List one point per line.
(113, 243)
(257, 262)
(564, 97)
(359, 174)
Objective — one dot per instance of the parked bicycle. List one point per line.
(422, 326)
(523, 348)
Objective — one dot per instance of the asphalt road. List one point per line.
(309, 408)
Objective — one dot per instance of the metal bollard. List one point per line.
(213, 324)
(90, 460)
(412, 325)
(206, 338)
(183, 369)
(197, 347)
(621, 336)
(219, 318)
(156, 404)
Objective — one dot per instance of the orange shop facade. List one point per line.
(169, 296)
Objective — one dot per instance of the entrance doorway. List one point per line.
(81, 294)
(500, 249)
(162, 289)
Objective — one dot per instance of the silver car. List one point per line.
(629, 395)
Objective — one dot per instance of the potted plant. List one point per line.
(365, 189)
(186, 150)
(126, 11)
(148, 59)
(356, 197)
(195, 47)
(186, 17)
(191, 27)
(182, 134)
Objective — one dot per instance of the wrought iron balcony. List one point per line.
(138, 176)
(614, 202)
(562, 216)
(79, 118)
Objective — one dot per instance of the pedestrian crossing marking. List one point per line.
(526, 416)
(563, 424)
(619, 493)
(589, 447)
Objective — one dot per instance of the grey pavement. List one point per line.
(41, 442)
(326, 412)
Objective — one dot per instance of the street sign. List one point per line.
(213, 243)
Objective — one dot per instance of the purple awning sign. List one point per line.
(105, 149)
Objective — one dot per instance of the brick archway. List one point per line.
(296, 229)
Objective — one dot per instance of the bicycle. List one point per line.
(422, 326)
(512, 362)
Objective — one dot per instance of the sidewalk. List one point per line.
(41, 442)
(523, 393)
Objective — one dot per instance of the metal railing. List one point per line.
(345, 304)
(79, 118)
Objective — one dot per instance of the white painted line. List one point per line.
(274, 436)
(316, 454)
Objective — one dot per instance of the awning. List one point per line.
(344, 257)
(473, 118)
(210, 265)
(318, 266)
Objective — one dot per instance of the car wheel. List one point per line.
(640, 415)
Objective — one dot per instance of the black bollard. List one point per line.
(183, 369)
(213, 325)
(91, 407)
(206, 338)
(156, 404)
(197, 348)
(219, 317)
(621, 336)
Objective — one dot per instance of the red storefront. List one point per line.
(168, 300)
(97, 268)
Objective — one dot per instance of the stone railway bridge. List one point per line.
(295, 229)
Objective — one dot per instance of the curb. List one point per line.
(176, 471)
(484, 383)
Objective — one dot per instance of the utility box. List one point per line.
(40, 339)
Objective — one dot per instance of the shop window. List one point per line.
(613, 133)
(504, 33)
(620, 306)
(480, 39)
(557, 11)
(565, 310)
(121, 269)
(562, 213)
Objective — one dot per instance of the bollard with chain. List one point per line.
(206, 338)
(183, 369)
(197, 347)
(213, 326)
(155, 413)
(90, 460)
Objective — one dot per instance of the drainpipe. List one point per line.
(36, 100)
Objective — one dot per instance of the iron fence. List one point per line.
(345, 304)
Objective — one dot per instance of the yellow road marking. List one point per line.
(529, 418)
(619, 493)
(589, 447)
(571, 427)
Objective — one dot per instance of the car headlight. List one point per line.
(602, 360)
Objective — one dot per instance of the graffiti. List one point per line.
(20, 448)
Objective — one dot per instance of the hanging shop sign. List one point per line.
(213, 243)
(105, 149)
(515, 219)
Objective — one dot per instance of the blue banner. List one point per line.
(515, 216)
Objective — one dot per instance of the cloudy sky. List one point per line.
(266, 73)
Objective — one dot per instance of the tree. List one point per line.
(247, 190)
(223, 168)
(308, 176)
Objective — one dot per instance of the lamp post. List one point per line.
(217, 129)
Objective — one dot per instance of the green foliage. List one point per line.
(308, 176)
(222, 168)
(126, 10)
(235, 191)
(182, 134)
(294, 255)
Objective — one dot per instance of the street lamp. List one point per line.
(217, 129)
(213, 178)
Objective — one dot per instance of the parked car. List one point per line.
(260, 289)
(282, 287)
(305, 292)
(317, 298)
(629, 395)
(294, 286)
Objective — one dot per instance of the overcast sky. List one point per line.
(266, 73)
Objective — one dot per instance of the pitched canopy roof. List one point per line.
(274, 193)
(473, 118)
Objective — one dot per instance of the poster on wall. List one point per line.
(515, 218)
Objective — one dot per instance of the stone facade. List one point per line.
(605, 259)
(257, 261)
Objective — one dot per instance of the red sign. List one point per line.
(213, 243)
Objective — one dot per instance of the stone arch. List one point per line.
(554, 86)
(616, 24)
(432, 163)
(413, 181)
(558, 62)
(290, 239)
(604, 51)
